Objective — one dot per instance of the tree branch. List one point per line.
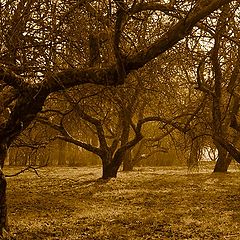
(28, 168)
(109, 75)
(200, 79)
(121, 16)
(97, 123)
(66, 136)
(233, 151)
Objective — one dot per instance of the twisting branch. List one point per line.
(28, 168)
(121, 17)
(66, 136)
(198, 109)
(97, 123)
(200, 78)
(231, 88)
(138, 127)
(158, 138)
(170, 122)
(233, 151)
(12, 79)
(45, 121)
(235, 78)
(8, 95)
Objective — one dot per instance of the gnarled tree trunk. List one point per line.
(109, 171)
(223, 160)
(3, 186)
(3, 204)
(111, 163)
(127, 161)
(227, 154)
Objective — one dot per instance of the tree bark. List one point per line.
(127, 161)
(222, 164)
(111, 164)
(3, 204)
(222, 160)
(3, 153)
(109, 171)
(232, 153)
(193, 159)
(3, 186)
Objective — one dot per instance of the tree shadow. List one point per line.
(98, 181)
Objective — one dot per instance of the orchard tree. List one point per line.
(111, 114)
(218, 78)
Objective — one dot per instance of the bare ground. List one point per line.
(149, 203)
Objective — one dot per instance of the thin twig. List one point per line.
(28, 168)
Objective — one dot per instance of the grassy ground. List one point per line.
(149, 203)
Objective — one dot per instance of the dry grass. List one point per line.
(149, 203)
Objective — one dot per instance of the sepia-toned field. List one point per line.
(149, 203)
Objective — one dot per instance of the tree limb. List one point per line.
(26, 169)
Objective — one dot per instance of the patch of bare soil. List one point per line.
(149, 203)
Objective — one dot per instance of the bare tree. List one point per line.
(218, 77)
